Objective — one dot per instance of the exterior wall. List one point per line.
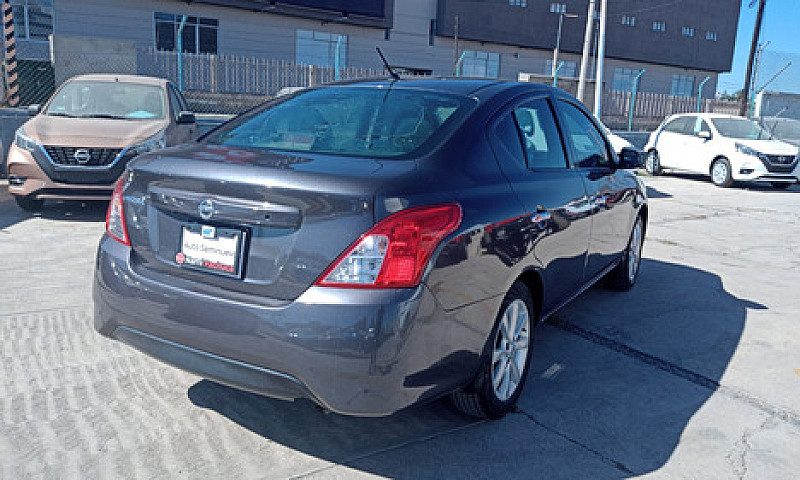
(262, 34)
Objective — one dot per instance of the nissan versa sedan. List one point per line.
(370, 245)
(726, 147)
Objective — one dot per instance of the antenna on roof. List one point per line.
(386, 64)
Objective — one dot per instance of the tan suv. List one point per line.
(80, 142)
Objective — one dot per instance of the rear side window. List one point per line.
(682, 125)
(540, 137)
(362, 121)
(586, 140)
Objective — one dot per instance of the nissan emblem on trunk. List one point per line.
(206, 209)
(82, 156)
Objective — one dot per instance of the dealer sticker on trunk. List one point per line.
(210, 248)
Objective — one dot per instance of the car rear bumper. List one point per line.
(355, 352)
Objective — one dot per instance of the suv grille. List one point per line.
(779, 163)
(82, 157)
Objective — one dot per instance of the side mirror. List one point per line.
(704, 134)
(630, 158)
(186, 118)
(34, 109)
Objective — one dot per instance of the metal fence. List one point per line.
(241, 75)
(651, 108)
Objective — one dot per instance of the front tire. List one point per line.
(504, 368)
(623, 277)
(652, 163)
(721, 174)
(29, 203)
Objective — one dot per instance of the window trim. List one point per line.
(26, 21)
(196, 33)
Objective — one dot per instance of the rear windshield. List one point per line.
(129, 101)
(740, 128)
(363, 121)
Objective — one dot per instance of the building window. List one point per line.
(480, 64)
(432, 32)
(33, 19)
(567, 70)
(320, 48)
(629, 20)
(687, 31)
(518, 3)
(659, 27)
(558, 8)
(623, 79)
(682, 86)
(199, 34)
(711, 36)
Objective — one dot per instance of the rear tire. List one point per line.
(781, 185)
(652, 164)
(623, 277)
(506, 360)
(29, 203)
(721, 175)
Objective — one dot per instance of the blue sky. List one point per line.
(780, 25)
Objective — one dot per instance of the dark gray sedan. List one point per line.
(370, 245)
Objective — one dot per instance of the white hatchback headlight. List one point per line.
(747, 150)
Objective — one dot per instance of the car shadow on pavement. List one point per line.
(655, 193)
(89, 211)
(615, 378)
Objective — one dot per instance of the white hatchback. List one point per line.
(726, 147)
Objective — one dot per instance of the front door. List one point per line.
(606, 190)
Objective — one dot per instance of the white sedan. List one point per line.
(726, 147)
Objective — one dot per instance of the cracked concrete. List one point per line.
(693, 374)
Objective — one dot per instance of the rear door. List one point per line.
(554, 233)
(670, 142)
(607, 191)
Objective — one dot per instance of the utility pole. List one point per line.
(587, 40)
(455, 47)
(601, 52)
(753, 47)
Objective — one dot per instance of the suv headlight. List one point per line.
(747, 150)
(156, 142)
(24, 142)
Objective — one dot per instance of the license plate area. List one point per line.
(211, 249)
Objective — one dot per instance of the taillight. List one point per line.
(115, 218)
(395, 252)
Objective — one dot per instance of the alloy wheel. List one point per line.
(510, 350)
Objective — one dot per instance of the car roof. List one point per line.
(454, 85)
(113, 77)
(707, 115)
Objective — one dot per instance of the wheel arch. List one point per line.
(719, 157)
(532, 279)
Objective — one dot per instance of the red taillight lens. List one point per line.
(393, 253)
(115, 218)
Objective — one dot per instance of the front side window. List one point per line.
(121, 100)
(540, 138)
(740, 128)
(33, 19)
(682, 86)
(321, 48)
(586, 140)
(199, 34)
(358, 121)
(480, 64)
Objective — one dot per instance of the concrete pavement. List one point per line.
(692, 374)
